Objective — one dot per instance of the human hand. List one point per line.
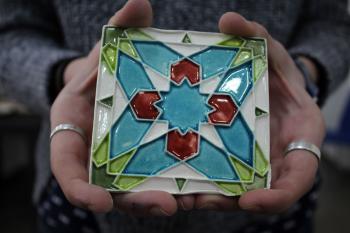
(69, 152)
(291, 108)
(293, 116)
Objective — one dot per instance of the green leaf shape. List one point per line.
(186, 39)
(234, 189)
(259, 112)
(111, 35)
(259, 67)
(136, 34)
(232, 42)
(180, 182)
(100, 154)
(116, 165)
(125, 182)
(246, 174)
(243, 56)
(261, 163)
(127, 47)
(101, 178)
(109, 54)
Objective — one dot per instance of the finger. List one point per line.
(69, 153)
(135, 13)
(78, 98)
(296, 178)
(68, 163)
(185, 202)
(216, 202)
(157, 203)
(233, 23)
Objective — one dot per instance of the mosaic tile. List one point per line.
(186, 39)
(237, 82)
(238, 140)
(214, 60)
(182, 112)
(157, 55)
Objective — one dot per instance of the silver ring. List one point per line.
(70, 127)
(304, 145)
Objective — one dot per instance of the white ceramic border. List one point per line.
(209, 132)
(248, 110)
(208, 86)
(160, 82)
(107, 86)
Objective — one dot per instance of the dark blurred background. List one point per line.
(19, 129)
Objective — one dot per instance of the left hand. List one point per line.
(293, 116)
(69, 152)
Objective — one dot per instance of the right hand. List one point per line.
(69, 153)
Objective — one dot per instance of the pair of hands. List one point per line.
(293, 115)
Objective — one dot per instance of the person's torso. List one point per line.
(81, 21)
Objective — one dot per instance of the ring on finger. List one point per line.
(304, 145)
(69, 127)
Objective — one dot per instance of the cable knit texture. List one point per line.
(35, 35)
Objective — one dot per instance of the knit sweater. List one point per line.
(38, 34)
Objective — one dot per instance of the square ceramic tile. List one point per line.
(181, 111)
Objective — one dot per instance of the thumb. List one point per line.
(135, 13)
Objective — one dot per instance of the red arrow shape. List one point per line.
(225, 109)
(142, 104)
(185, 68)
(182, 146)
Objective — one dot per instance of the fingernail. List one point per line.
(156, 211)
(208, 206)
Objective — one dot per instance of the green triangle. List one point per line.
(136, 34)
(109, 53)
(111, 35)
(246, 174)
(232, 42)
(107, 101)
(123, 35)
(259, 183)
(125, 182)
(186, 39)
(259, 112)
(127, 47)
(259, 67)
(180, 183)
(100, 155)
(258, 47)
(116, 165)
(234, 189)
(243, 56)
(261, 163)
(101, 178)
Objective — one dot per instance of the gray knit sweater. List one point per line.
(36, 35)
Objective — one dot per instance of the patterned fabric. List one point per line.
(57, 215)
(36, 35)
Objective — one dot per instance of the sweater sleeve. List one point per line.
(323, 34)
(30, 46)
